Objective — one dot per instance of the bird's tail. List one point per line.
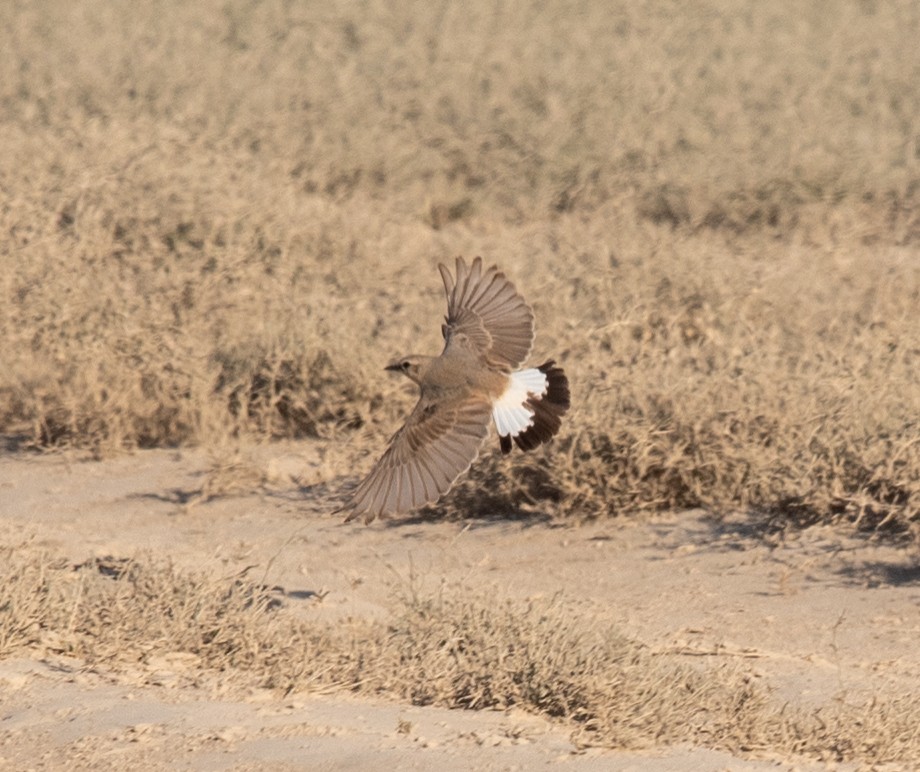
(531, 409)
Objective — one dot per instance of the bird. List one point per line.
(488, 334)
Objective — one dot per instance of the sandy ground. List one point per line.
(817, 615)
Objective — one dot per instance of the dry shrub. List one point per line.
(548, 657)
(727, 380)
(95, 611)
(455, 649)
(29, 592)
(740, 114)
(171, 364)
(220, 220)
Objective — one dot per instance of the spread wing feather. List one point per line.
(486, 314)
(438, 442)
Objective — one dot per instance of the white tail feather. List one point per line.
(510, 411)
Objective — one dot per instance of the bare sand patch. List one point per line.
(701, 634)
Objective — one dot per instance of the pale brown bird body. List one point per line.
(488, 332)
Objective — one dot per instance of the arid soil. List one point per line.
(816, 616)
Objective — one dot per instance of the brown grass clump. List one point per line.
(220, 220)
(453, 650)
(730, 382)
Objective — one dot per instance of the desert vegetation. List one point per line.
(455, 648)
(220, 220)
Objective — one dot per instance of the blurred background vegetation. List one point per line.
(219, 220)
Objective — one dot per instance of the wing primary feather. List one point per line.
(375, 495)
(415, 486)
(478, 293)
(473, 278)
(438, 469)
(447, 279)
(392, 500)
(444, 465)
(429, 489)
(459, 287)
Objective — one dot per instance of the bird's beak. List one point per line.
(392, 366)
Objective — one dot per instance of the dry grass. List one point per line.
(220, 219)
(455, 649)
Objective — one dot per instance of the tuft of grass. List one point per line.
(453, 649)
(727, 381)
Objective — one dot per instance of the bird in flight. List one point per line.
(488, 333)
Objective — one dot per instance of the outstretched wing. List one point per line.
(486, 314)
(438, 442)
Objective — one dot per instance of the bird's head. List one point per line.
(410, 366)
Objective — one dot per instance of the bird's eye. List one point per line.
(405, 365)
